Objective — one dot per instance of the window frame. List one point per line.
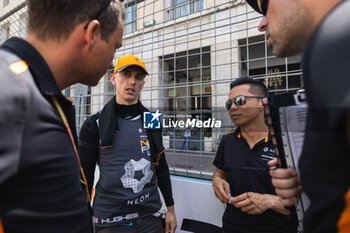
(180, 8)
(6, 2)
(133, 21)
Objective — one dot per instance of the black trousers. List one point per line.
(149, 224)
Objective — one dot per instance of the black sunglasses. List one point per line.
(240, 100)
(103, 7)
(262, 4)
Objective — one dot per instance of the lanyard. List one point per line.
(1, 227)
(64, 119)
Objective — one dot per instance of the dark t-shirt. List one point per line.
(247, 171)
(325, 160)
(40, 188)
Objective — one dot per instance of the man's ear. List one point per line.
(112, 77)
(261, 105)
(92, 33)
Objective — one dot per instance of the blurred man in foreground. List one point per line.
(68, 41)
(319, 28)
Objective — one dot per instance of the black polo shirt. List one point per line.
(247, 171)
(325, 160)
(40, 190)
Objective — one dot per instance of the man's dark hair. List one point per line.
(255, 87)
(56, 19)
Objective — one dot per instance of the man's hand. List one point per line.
(251, 203)
(170, 220)
(221, 186)
(286, 182)
(256, 203)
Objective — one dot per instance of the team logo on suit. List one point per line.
(128, 179)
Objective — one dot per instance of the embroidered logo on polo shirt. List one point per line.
(268, 154)
(266, 157)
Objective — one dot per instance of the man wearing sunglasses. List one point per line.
(67, 42)
(320, 28)
(242, 179)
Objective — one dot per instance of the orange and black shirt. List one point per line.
(247, 171)
(40, 189)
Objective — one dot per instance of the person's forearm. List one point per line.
(219, 174)
(221, 186)
(171, 209)
(164, 182)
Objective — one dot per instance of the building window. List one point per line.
(278, 74)
(6, 2)
(22, 25)
(188, 76)
(4, 33)
(130, 17)
(82, 101)
(188, 92)
(179, 8)
(109, 88)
